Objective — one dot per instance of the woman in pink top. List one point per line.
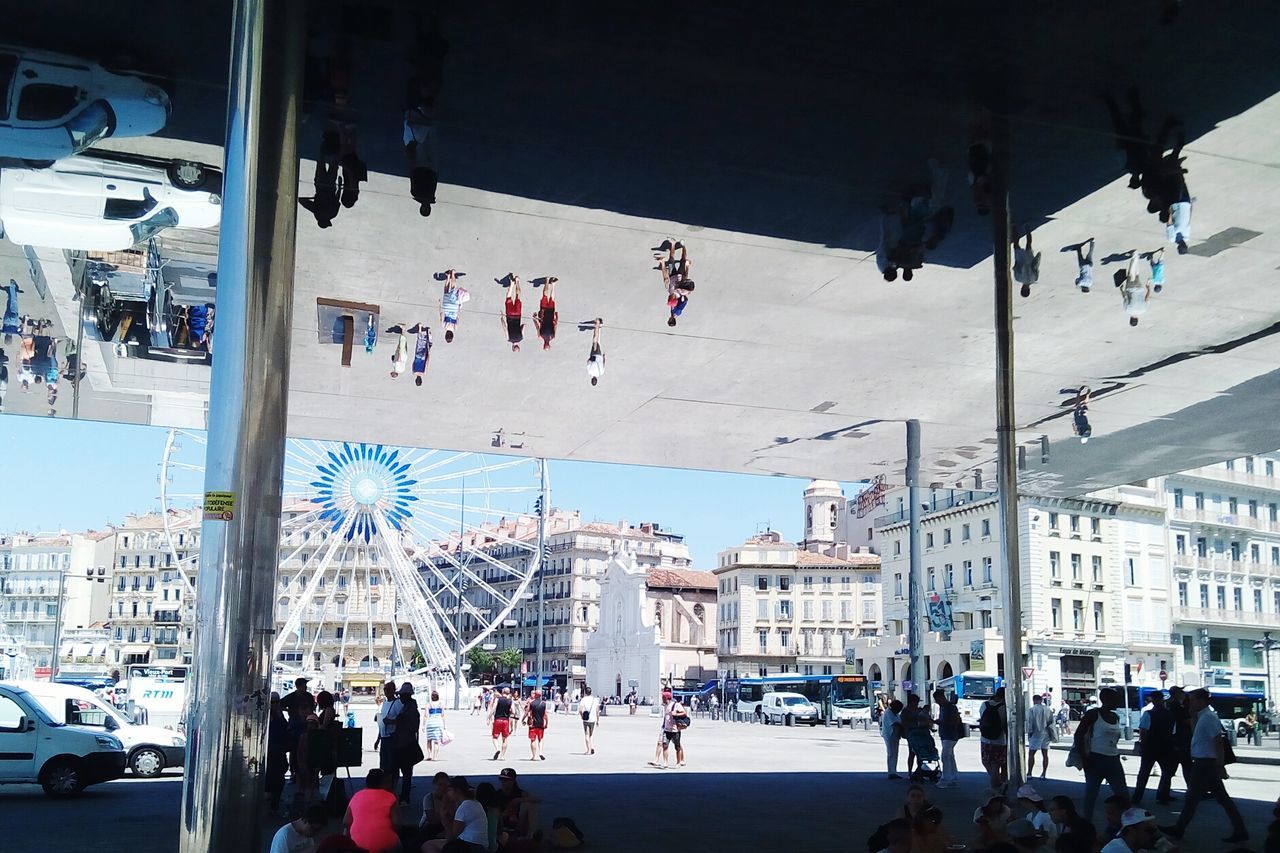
(374, 813)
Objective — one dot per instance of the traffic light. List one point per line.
(1128, 673)
(537, 506)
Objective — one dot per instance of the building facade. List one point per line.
(1095, 590)
(781, 608)
(152, 608)
(656, 628)
(1224, 535)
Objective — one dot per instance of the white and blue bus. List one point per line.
(839, 698)
(969, 690)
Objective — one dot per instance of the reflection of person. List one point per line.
(1156, 259)
(595, 361)
(1026, 263)
(1133, 291)
(1084, 279)
(513, 313)
(400, 355)
(1080, 408)
(547, 316)
(450, 302)
(420, 149)
(675, 277)
(324, 204)
(12, 320)
(421, 351)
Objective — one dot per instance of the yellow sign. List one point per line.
(219, 506)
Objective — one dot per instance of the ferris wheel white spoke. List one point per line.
(481, 469)
(496, 537)
(296, 613)
(335, 591)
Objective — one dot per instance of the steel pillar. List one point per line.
(915, 593)
(226, 731)
(543, 509)
(1006, 448)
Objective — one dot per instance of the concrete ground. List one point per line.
(746, 788)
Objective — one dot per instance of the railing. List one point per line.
(1213, 472)
(1225, 564)
(952, 500)
(1227, 617)
(1157, 637)
(1226, 519)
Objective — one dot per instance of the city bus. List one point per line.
(838, 697)
(969, 690)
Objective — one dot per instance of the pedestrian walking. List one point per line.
(385, 742)
(1133, 292)
(951, 729)
(1208, 766)
(500, 714)
(545, 322)
(408, 749)
(1080, 426)
(589, 710)
(450, 302)
(675, 719)
(993, 732)
(421, 351)
(435, 726)
(1182, 727)
(536, 720)
(1026, 262)
(12, 319)
(1084, 260)
(323, 203)
(1039, 735)
(420, 144)
(675, 278)
(1157, 745)
(1097, 740)
(400, 355)
(1156, 260)
(595, 361)
(891, 731)
(513, 312)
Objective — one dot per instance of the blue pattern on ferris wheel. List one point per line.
(363, 482)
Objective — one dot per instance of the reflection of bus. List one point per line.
(969, 690)
(839, 698)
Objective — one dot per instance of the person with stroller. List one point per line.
(917, 728)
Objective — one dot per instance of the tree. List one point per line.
(481, 661)
(509, 660)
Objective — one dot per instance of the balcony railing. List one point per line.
(1226, 617)
(1158, 638)
(1222, 475)
(1226, 519)
(952, 500)
(1225, 564)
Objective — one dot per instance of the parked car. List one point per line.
(53, 105)
(107, 202)
(777, 707)
(63, 759)
(148, 749)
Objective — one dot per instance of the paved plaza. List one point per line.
(746, 788)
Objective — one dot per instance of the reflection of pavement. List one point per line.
(747, 787)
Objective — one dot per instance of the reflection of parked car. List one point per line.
(53, 105)
(107, 203)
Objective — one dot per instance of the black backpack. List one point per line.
(989, 723)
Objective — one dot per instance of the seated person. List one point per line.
(299, 836)
(436, 811)
(928, 834)
(519, 807)
(992, 822)
(468, 832)
(374, 813)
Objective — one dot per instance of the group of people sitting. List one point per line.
(456, 818)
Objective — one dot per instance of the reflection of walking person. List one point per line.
(1026, 264)
(400, 355)
(12, 320)
(420, 149)
(324, 203)
(1080, 412)
(1084, 279)
(675, 277)
(1133, 291)
(421, 351)
(595, 361)
(1156, 259)
(450, 302)
(547, 317)
(513, 313)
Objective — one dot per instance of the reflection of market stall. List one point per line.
(148, 306)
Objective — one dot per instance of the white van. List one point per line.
(149, 749)
(777, 707)
(62, 759)
(107, 201)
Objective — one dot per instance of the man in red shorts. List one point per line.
(500, 717)
(535, 717)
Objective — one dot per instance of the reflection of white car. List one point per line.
(100, 204)
(53, 105)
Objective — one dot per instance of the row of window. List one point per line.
(1231, 505)
(35, 562)
(1219, 653)
(1237, 597)
(948, 576)
(164, 636)
(1269, 467)
(35, 609)
(826, 643)
(1221, 549)
(1078, 615)
(1095, 525)
(807, 582)
(1077, 568)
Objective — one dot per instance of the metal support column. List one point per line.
(915, 594)
(55, 663)
(244, 466)
(543, 509)
(1006, 447)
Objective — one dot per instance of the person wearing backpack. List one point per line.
(993, 729)
(951, 729)
(1097, 741)
(589, 710)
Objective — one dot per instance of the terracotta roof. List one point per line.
(809, 558)
(679, 579)
(615, 530)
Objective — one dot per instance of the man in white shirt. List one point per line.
(1133, 291)
(1138, 833)
(1207, 753)
(387, 713)
(470, 825)
(589, 710)
(299, 836)
(1039, 719)
(595, 361)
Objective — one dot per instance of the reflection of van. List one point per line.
(36, 748)
(150, 749)
(94, 203)
(777, 707)
(53, 105)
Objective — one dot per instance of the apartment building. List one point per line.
(152, 608)
(782, 609)
(1224, 534)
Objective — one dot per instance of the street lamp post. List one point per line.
(1265, 646)
(457, 627)
(543, 509)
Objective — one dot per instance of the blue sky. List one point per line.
(81, 475)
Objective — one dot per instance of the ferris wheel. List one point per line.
(436, 546)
